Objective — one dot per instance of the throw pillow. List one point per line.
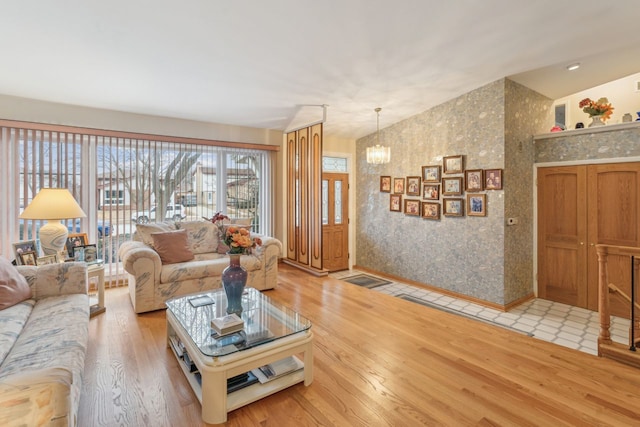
(13, 286)
(172, 246)
(144, 231)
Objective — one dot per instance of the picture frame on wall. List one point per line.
(430, 210)
(493, 179)
(75, 240)
(474, 180)
(23, 247)
(477, 204)
(431, 173)
(452, 186)
(398, 185)
(395, 203)
(453, 207)
(385, 184)
(412, 207)
(452, 164)
(413, 185)
(430, 191)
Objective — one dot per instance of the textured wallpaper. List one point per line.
(475, 256)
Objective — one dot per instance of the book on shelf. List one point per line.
(277, 369)
(189, 363)
(177, 346)
(227, 324)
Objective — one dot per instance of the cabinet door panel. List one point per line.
(562, 234)
(613, 218)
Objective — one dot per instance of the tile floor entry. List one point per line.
(558, 323)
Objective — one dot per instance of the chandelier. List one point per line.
(378, 154)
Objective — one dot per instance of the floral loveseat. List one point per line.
(153, 281)
(43, 342)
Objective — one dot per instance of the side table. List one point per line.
(97, 271)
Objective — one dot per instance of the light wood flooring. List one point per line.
(379, 361)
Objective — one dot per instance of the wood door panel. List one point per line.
(335, 227)
(613, 217)
(561, 265)
(562, 235)
(578, 208)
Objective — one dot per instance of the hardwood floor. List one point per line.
(379, 361)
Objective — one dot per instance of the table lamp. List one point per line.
(53, 204)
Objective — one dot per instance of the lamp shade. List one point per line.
(53, 203)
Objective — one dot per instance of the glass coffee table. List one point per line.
(230, 371)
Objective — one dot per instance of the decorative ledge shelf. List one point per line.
(597, 129)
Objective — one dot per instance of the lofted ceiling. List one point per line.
(271, 64)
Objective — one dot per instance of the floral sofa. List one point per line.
(43, 342)
(197, 267)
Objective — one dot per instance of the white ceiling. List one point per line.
(269, 64)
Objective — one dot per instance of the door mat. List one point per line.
(459, 313)
(366, 281)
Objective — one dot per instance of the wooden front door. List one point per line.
(335, 221)
(578, 208)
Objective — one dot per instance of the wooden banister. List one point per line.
(606, 347)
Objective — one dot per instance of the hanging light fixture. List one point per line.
(378, 154)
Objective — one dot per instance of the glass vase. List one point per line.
(234, 279)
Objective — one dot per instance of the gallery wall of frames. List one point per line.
(446, 189)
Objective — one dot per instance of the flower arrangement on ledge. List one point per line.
(601, 107)
(240, 241)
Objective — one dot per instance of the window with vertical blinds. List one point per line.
(122, 180)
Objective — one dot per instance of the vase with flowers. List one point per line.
(234, 277)
(599, 111)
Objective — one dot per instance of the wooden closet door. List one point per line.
(613, 218)
(562, 234)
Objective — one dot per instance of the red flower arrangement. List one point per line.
(601, 107)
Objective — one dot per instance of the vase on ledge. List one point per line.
(596, 121)
(234, 279)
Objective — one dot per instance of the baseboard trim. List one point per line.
(453, 294)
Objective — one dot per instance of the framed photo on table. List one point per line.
(28, 258)
(23, 247)
(90, 253)
(75, 240)
(47, 259)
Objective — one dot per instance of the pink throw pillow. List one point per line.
(13, 286)
(172, 246)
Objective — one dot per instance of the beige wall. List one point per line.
(621, 93)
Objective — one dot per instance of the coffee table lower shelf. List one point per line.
(212, 392)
